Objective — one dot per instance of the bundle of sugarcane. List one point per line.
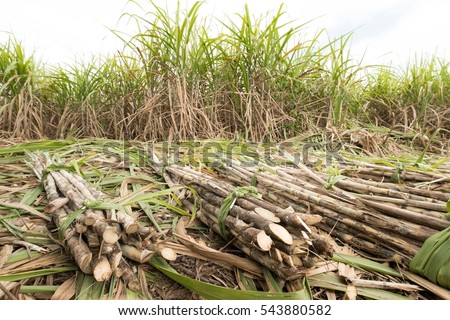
(279, 238)
(387, 220)
(394, 174)
(98, 239)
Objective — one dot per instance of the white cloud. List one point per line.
(62, 29)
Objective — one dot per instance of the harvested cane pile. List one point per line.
(286, 229)
(278, 238)
(98, 239)
(298, 221)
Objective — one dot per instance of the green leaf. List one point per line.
(365, 264)
(245, 281)
(432, 260)
(87, 288)
(38, 289)
(213, 292)
(32, 195)
(271, 281)
(331, 181)
(333, 282)
(67, 222)
(228, 203)
(22, 254)
(35, 273)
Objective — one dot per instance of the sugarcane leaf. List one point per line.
(132, 295)
(24, 207)
(170, 206)
(213, 292)
(333, 282)
(87, 288)
(149, 212)
(77, 164)
(38, 289)
(365, 264)
(22, 254)
(396, 175)
(332, 180)
(223, 213)
(35, 273)
(41, 145)
(307, 289)
(271, 281)
(68, 221)
(424, 151)
(432, 258)
(443, 276)
(254, 180)
(32, 195)
(57, 167)
(66, 290)
(228, 204)
(11, 227)
(245, 283)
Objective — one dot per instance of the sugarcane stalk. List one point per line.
(279, 268)
(237, 227)
(101, 268)
(80, 251)
(404, 176)
(129, 225)
(411, 193)
(57, 203)
(295, 214)
(272, 229)
(115, 257)
(97, 194)
(374, 188)
(68, 190)
(323, 203)
(92, 238)
(81, 187)
(432, 222)
(80, 227)
(250, 203)
(297, 248)
(135, 254)
(370, 231)
(124, 271)
(373, 248)
(436, 210)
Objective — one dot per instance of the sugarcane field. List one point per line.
(240, 166)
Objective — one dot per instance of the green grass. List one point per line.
(259, 78)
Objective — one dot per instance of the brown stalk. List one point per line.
(236, 227)
(279, 268)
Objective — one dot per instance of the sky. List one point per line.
(384, 31)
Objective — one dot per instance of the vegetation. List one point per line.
(258, 78)
(43, 257)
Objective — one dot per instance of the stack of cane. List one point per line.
(284, 241)
(385, 219)
(98, 239)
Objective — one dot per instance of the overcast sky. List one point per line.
(386, 30)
